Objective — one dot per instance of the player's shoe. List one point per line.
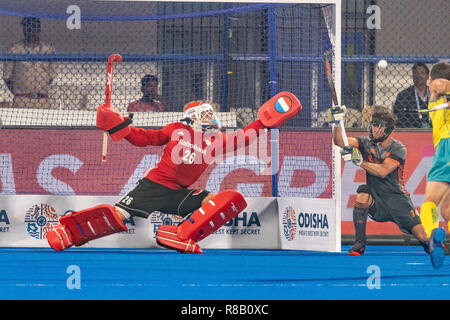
(357, 249)
(446, 246)
(436, 247)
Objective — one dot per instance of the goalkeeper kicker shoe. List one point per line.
(60, 238)
(357, 249)
(436, 247)
(166, 236)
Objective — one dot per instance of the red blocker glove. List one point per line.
(280, 108)
(109, 119)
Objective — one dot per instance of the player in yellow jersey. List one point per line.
(437, 190)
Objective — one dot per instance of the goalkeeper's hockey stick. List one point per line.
(109, 79)
(327, 55)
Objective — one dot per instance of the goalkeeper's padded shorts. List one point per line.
(149, 196)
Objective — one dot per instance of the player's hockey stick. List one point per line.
(109, 79)
(436, 108)
(327, 55)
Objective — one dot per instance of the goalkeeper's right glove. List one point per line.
(352, 154)
(336, 114)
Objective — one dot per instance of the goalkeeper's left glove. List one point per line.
(352, 154)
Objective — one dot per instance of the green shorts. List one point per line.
(440, 167)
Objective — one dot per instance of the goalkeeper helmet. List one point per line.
(200, 116)
(381, 126)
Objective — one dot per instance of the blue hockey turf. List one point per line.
(385, 272)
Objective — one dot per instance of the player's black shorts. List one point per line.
(149, 196)
(397, 208)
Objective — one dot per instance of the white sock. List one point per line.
(123, 213)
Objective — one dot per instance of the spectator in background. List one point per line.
(410, 100)
(29, 81)
(151, 101)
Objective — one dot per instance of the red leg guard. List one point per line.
(280, 108)
(212, 215)
(166, 236)
(86, 225)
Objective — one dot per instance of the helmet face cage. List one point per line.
(202, 118)
(377, 123)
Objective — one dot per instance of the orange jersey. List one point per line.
(396, 152)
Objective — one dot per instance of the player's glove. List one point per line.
(352, 154)
(278, 109)
(109, 119)
(336, 114)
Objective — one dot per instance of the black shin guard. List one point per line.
(359, 221)
(426, 246)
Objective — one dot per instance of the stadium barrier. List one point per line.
(26, 220)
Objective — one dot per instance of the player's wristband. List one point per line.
(121, 126)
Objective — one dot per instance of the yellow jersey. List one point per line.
(440, 120)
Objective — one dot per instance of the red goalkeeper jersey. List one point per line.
(187, 153)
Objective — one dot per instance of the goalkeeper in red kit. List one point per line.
(190, 146)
